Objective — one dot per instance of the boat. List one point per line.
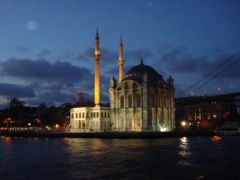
(228, 129)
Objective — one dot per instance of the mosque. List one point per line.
(141, 100)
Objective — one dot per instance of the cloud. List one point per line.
(53, 83)
(177, 60)
(44, 53)
(61, 72)
(31, 25)
(13, 90)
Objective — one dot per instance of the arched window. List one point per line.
(130, 101)
(122, 101)
(138, 100)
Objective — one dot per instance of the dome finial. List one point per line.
(141, 60)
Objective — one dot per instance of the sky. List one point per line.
(46, 47)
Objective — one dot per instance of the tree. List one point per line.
(15, 103)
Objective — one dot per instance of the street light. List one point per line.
(183, 123)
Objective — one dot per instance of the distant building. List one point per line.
(213, 109)
(141, 101)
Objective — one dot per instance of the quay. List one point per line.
(115, 135)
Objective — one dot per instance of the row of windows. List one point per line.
(130, 103)
(91, 115)
(153, 101)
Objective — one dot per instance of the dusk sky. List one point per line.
(46, 46)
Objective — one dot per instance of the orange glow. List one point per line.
(57, 126)
(7, 139)
(216, 138)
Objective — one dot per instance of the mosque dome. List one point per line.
(136, 73)
(141, 69)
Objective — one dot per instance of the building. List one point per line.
(92, 119)
(208, 110)
(141, 100)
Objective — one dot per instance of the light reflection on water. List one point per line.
(77, 158)
(184, 152)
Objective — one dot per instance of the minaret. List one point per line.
(121, 60)
(97, 56)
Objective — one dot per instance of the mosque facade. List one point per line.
(141, 100)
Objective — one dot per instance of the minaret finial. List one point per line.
(121, 38)
(97, 36)
(141, 60)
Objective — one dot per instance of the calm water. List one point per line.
(169, 158)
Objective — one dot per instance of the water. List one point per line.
(167, 158)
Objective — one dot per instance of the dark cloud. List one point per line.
(228, 70)
(61, 72)
(44, 53)
(13, 90)
(177, 60)
(65, 55)
(56, 96)
(54, 83)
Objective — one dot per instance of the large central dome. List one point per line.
(141, 69)
(136, 73)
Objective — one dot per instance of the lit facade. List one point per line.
(141, 100)
(90, 119)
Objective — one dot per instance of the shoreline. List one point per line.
(109, 135)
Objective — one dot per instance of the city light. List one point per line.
(183, 123)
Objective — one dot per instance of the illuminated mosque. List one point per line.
(141, 100)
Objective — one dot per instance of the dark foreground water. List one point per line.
(167, 158)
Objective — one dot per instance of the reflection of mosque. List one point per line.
(141, 100)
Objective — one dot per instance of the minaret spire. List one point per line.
(97, 37)
(121, 60)
(97, 56)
